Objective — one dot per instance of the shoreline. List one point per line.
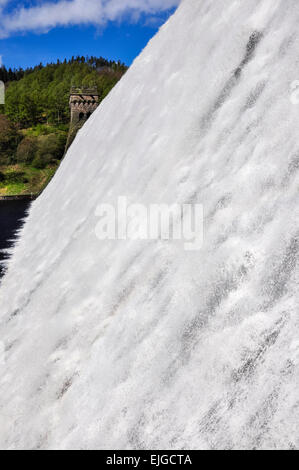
(20, 197)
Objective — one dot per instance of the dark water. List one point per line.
(12, 214)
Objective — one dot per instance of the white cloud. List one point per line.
(46, 16)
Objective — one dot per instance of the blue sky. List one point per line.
(37, 31)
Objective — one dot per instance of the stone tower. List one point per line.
(83, 102)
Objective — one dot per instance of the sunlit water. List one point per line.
(141, 344)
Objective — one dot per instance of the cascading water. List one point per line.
(142, 344)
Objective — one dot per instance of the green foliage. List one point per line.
(40, 163)
(34, 122)
(7, 75)
(26, 150)
(41, 146)
(9, 139)
(40, 129)
(15, 176)
(24, 179)
(50, 148)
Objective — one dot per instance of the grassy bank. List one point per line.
(21, 179)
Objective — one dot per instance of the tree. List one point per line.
(50, 148)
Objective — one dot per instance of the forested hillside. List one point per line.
(34, 121)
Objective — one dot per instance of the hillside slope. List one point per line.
(141, 344)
